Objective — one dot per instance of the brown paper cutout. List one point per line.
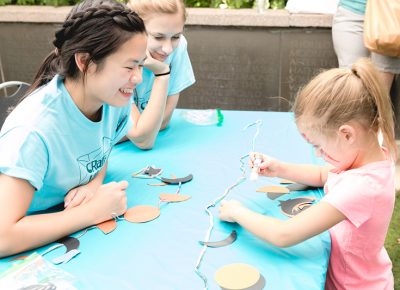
(18, 258)
(239, 277)
(142, 214)
(286, 181)
(274, 191)
(173, 197)
(157, 184)
(107, 226)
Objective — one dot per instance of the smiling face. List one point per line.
(114, 80)
(164, 32)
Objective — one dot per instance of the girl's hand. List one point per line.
(109, 200)
(267, 166)
(78, 195)
(229, 209)
(156, 66)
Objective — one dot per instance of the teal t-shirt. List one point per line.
(356, 6)
(181, 77)
(47, 141)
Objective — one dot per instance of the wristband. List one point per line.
(163, 74)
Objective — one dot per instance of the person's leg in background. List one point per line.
(348, 38)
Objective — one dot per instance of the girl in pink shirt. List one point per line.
(340, 112)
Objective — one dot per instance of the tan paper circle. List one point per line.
(107, 226)
(273, 189)
(237, 276)
(286, 181)
(173, 197)
(142, 213)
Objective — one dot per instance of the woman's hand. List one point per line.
(78, 195)
(156, 66)
(267, 166)
(110, 200)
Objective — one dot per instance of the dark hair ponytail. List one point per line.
(96, 27)
(49, 68)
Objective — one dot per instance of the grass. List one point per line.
(392, 242)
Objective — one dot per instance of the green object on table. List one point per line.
(220, 118)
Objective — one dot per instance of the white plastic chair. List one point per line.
(10, 94)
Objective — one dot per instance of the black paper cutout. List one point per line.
(151, 171)
(298, 187)
(275, 195)
(177, 180)
(70, 243)
(229, 240)
(292, 207)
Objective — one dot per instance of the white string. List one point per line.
(218, 200)
(259, 124)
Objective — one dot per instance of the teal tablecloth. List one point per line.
(162, 254)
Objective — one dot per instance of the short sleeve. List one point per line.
(24, 155)
(182, 75)
(353, 196)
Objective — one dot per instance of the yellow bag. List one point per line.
(382, 27)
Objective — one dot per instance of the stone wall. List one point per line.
(246, 68)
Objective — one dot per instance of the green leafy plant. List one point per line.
(217, 3)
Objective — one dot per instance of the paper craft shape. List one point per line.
(148, 172)
(229, 240)
(177, 180)
(107, 226)
(173, 197)
(151, 171)
(292, 207)
(17, 258)
(70, 243)
(286, 181)
(157, 184)
(142, 214)
(161, 183)
(239, 276)
(274, 191)
(297, 187)
(66, 257)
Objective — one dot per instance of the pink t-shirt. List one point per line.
(366, 197)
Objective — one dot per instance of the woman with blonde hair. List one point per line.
(155, 99)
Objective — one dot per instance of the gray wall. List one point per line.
(240, 68)
(254, 68)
